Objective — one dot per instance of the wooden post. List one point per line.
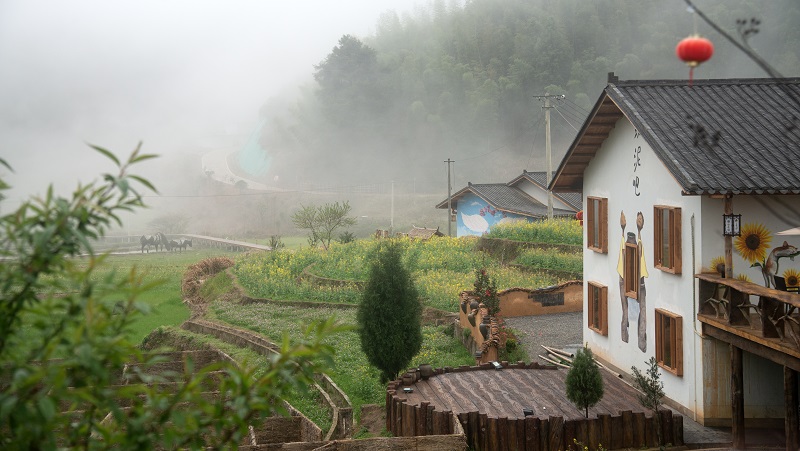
(639, 430)
(618, 432)
(605, 429)
(737, 398)
(570, 433)
(475, 430)
(627, 430)
(790, 398)
(556, 433)
(483, 421)
(494, 440)
(422, 418)
(532, 439)
(544, 435)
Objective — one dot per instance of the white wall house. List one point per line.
(659, 163)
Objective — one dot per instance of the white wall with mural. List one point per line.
(629, 174)
(477, 217)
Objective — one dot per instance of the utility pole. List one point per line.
(449, 199)
(391, 223)
(548, 150)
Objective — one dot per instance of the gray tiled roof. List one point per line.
(716, 136)
(507, 198)
(573, 199)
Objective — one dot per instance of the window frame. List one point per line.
(597, 214)
(668, 321)
(601, 327)
(673, 236)
(632, 272)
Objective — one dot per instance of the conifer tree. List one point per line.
(389, 315)
(584, 381)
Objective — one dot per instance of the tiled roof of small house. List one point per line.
(422, 233)
(715, 137)
(506, 198)
(573, 199)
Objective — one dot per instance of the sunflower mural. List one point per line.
(753, 245)
(744, 278)
(792, 277)
(718, 265)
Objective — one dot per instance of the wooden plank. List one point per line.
(544, 434)
(556, 433)
(492, 431)
(737, 398)
(503, 430)
(790, 397)
(421, 419)
(570, 433)
(429, 420)
(666, 426)
(582, 431)
(677, 430)
(627, 431)
(594, 432)
(650, 431)
(639, 437)
(483, 421)
(532, 429)
(743, 339)
(474, 428)
(516, 433)
(605, 430)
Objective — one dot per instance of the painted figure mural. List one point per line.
(632, 271)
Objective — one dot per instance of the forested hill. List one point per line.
(460, 80)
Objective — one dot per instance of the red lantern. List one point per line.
(693, 51)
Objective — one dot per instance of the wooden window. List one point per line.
(632, 273)
(669, 341)
(667, 242)
(597, 224)
(598, 308)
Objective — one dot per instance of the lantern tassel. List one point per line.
(691, 75)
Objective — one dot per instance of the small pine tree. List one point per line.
(651, 390)
(390, 313)
(584, 381)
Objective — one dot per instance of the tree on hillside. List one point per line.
(323, 220)
(389, 315)
(63, 340)
(584, 381)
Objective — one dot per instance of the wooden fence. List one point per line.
(627, 429)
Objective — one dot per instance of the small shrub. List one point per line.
(584, 381)
(346, 237)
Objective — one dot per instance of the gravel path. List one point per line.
(556, 330)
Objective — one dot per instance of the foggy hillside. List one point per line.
(464, 82)
(259, 107)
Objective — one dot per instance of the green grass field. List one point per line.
(165, 301)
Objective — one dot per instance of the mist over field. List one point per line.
(259, 107)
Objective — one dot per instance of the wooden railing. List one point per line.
(769, 316)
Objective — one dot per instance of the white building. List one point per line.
(658, 163)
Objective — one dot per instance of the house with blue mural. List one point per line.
(478, 207)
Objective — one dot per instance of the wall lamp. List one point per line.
(731, 225)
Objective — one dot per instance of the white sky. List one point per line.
(177, 75)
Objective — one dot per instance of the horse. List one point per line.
(183, 243)
(147, 242)
(163, 241)
(172, 244)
